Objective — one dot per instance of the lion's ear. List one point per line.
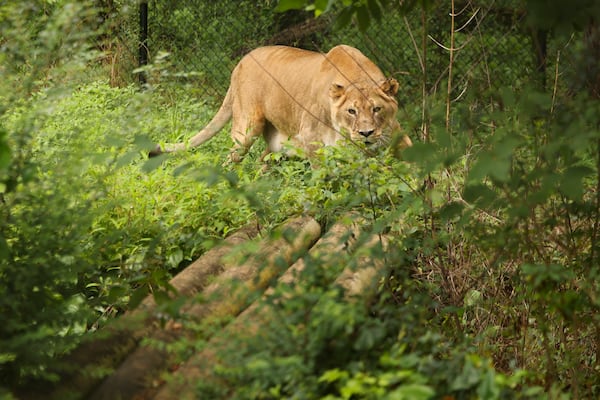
(390, 87)
(336, 91)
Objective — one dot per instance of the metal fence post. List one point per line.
(143, 46)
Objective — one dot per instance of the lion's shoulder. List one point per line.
(349, 65)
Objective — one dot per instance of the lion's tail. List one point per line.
(217, 123)
(214, 126)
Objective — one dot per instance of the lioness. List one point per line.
(307, 98)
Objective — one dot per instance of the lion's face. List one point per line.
(365, 112)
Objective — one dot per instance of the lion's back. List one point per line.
(277, 66)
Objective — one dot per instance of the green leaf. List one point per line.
(116, 293)
(153, 163)
(161, 297)
(4, 151)
(539, 274)
(374, 9)
(7, 357)
(181, 169)
(480, 194)
(488, 388)
(143, 142)
(322, 6)
(468, 378)
(175, 257)
(424, 155)
(333, 375)
(137, 296)
(472, 298)
(411, 392)
(363, 18)
(286, 5)
(571, 183)
(451, 210)
(496, 162)
(343, 18)
(4, 250)
(127, 158)
(369, 337)
(489, 165)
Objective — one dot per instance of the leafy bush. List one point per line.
(86, 232)
(88, 205)
(490, 281)
(42, 252)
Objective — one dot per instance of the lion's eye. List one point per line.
(376, 109)
(351, 111)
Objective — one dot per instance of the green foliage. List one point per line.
(86, 230)
(519, 209)
(364, 11)
(124, 222)
(41, 252)
(537, 180)
(490, 285)
(557, 15)
(321, 344)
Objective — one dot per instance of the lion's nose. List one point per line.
(366, 133)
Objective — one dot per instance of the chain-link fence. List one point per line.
(492, 47)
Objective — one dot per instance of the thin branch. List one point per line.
(484, 57)
(469, 21)
(461, 93)
(451, 48)
(422, 57)
(453, 14)
(596, 226)
(438, 43)
(414, 42)
(476, 62)
(554, 89)
(450, 65)
(425, 105)
(556, 74)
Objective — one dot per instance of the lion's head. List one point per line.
(365, 111)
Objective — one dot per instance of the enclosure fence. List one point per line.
(492, 46)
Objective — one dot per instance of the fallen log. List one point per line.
(274, 255)
(360, 282)
(356, 283)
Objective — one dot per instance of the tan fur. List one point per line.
(306, 99)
